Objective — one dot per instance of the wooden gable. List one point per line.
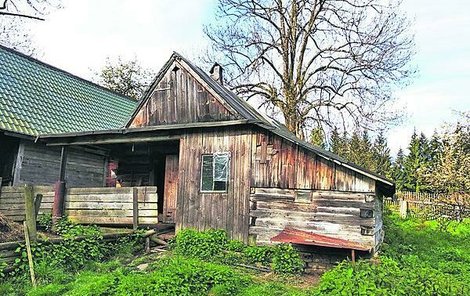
(179, 95)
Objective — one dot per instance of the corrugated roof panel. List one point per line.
(300, 237)
(36, 98)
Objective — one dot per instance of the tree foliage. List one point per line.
(360, 149)
(451, 171)
(318, 62)
(126, 77)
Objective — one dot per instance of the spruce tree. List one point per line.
(317, 137)
(381, 156)
(398, 171)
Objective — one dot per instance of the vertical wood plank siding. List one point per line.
(227, 210)
(179, 98)
(278, 163)
(39, 165)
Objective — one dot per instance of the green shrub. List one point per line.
(45, 222)
(203, 245)
(258, 254)
(235, 246)
(213, 245)
(271, 289)
(70, 254)
(48, 290)
(286, 260)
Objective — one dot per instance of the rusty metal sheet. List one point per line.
(300, 237)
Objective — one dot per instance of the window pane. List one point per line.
(220, 185)
(220, 167)
(207, 173)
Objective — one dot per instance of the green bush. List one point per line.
(45, 222)
(286, 260)
(213, 245)
(258, 254)
(203, 245)
(271, 289)
(69, 254)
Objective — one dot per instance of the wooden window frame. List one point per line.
(213, 172)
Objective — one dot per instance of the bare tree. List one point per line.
(16, 15)
(318, 62)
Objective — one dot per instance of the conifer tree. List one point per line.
(317, 137)
(381, 156)
(398, 171)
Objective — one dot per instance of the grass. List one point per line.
(418, 258)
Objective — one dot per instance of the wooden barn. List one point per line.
(217, 163)
(36, 98)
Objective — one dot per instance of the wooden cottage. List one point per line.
(218, 163)
(37, 98)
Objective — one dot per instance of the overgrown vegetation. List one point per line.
(214, 245)
(417, 259)
(56, 263)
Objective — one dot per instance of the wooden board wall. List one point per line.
(111, 205)
(87, 205)
(228, 210)
(179, 98)
(39, 165)
(278, 163)
(12, 203)
(331, 213)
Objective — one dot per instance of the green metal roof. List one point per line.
(36, 98)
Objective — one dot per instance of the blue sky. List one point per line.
(80, 36)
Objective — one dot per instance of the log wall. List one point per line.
(179, 98)
(226, 210)
(332, 213)
(104, 205)
(38, 164)
(278, 163)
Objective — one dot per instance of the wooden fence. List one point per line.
(105, 205)
(430, 205)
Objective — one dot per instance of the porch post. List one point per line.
(59, 189)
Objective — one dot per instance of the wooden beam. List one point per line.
(29, 253)
(63, 163)
(18, 164)
(115, 140)
(135, 208)
(37, 205)
(30, 212)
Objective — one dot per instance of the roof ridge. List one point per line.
(37, 61)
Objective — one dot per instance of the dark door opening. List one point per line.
(150, 164)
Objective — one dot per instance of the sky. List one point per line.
(79, 37)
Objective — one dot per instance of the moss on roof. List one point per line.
(36, 98)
